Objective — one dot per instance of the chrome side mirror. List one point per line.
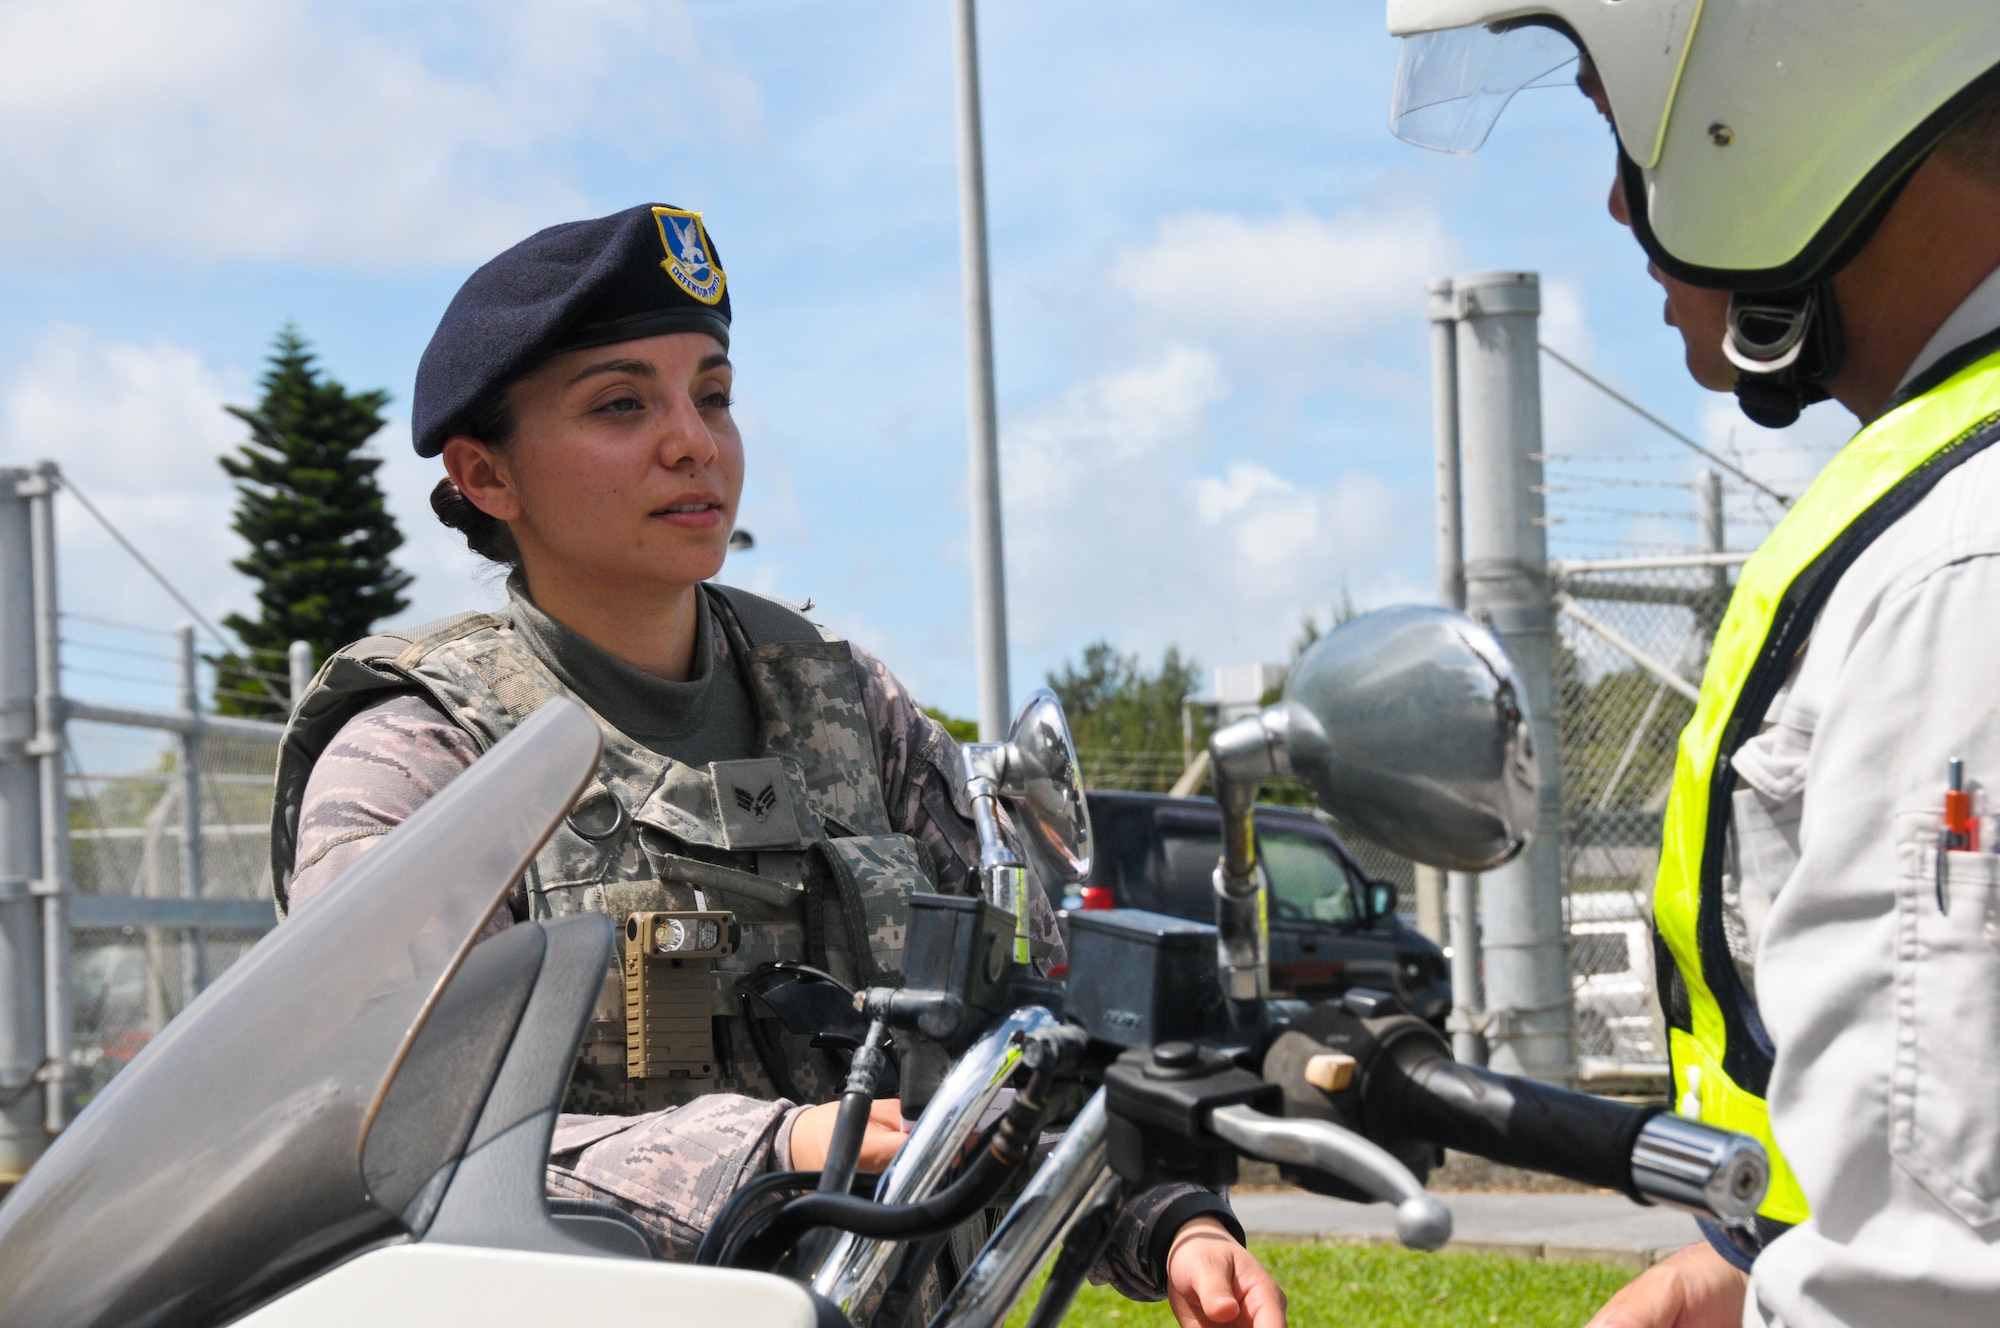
(1410, 727)
(1037, 772)
(1046, 787)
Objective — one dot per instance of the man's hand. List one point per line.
(813, 1131)
(1696, 1288)
(1211, 1280)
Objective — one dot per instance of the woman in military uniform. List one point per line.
(578, 391)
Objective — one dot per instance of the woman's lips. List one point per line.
(695, 515)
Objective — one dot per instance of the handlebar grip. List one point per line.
(1518, 1122)
(1642, 1151)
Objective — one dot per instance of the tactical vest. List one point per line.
(802, 827)
(1720, 1051)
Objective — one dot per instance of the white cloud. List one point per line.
(281, 129)
(1292, 286)
(1122, 525)
(137, 429)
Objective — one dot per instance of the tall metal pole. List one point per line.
(23, 1018)
(1507, 586)
(54, 885)
(989, 579)
(194, 944)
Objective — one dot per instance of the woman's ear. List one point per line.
(482, 477)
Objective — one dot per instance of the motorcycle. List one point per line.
(352, 1123)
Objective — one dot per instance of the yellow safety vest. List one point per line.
(1721, 1054)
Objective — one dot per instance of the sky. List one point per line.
(1208, 257)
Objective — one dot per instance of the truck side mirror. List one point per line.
(1381, 899)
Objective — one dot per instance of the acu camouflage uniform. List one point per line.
(808, 816)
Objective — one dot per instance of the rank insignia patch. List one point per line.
(689, 260)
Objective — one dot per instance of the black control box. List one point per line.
(1138, 978)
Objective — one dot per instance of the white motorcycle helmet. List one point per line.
(1761, 140)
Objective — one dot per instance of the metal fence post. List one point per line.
(1507, 586)
(23, 989)
(194, 942)
(1430, 881)
(299, 663)
(54, 885)
(1714, 534)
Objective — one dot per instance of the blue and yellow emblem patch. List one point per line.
(690, 261)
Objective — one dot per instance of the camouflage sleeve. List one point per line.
(674, 1169)
(1135, 1262)
(925, 791)
(388, 760)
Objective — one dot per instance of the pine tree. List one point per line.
(310, 507)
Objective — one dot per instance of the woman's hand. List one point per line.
(812, 1132)
(1211, 1281)
(1696, 1288)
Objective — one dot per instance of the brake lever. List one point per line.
(1422, 1220)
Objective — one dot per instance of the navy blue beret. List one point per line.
(638, 273)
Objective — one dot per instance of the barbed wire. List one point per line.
(113, 622)
(1659, 423)
(134, 651)
(66, 482)
(120, 677)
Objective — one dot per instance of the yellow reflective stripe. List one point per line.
(1879, 457)
(1728, 1107)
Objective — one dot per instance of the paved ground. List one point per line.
(1602, 1228)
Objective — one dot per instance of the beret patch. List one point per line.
(642, 272)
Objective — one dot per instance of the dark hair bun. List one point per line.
(485, 534)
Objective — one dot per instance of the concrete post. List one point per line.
(1507, 586)
(989, 574)
(194, 943)
(299, 663)
(23, 1018)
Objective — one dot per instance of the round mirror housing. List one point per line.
(1409, 726)
(1044, 784)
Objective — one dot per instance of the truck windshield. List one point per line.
(1309, 880)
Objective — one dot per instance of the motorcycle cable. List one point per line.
(741, 1204)
(857, 1101)
(1013, 1141)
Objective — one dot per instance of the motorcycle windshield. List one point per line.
(226, 1163)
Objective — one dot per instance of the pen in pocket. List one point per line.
(1958, 829)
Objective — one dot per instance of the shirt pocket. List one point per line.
(1944, 1103)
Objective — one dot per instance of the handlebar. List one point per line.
(1639, 1150)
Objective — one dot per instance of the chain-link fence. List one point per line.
(127, 829)
(1631, 646)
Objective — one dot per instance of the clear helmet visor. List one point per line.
(1452, 85)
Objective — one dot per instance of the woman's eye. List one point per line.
(621, 406)
(717, 400)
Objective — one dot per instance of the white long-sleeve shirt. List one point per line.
(1885, 1010)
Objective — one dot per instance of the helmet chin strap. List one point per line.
(1785, 347)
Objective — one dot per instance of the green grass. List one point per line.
(1384, 1287)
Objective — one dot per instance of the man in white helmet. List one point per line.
(1817, 185)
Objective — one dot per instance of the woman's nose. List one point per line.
(684, 438)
